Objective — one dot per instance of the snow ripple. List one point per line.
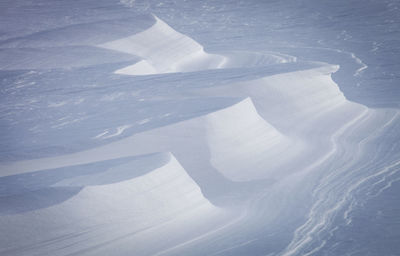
(221, 179)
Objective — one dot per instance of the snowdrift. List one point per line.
(122, 212)
(263, 140)
(163, 50)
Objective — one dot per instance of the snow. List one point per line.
(156, 197)
(123, 135)
(164, 50)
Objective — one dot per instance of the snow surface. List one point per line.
(122, 136)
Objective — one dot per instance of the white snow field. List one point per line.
(122, 136)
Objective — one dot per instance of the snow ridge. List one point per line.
(284, 143)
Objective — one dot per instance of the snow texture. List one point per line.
(122, 136)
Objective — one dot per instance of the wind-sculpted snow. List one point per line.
(127, 201)
(163, 51)
(153, 146)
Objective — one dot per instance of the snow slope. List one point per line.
(108, 207)
(163, 50)
(187, 153)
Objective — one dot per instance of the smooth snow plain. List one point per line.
(123, 136)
